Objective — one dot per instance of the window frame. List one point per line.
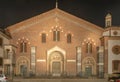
(43, 38)
(23, 47)
(69, 38)
(89, 47)
(116, 65)
(56, 35)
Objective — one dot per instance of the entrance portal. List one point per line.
(89, 66)
(56, 63)
(23, 66)
(56, 58)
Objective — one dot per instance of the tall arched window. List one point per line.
(56, 35)
(88, 47)
(69, 38)
(43, 38)
(108, 23)
(23, 47)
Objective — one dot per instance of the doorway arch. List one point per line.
(56, 61)
(89, 66)
(23, 66)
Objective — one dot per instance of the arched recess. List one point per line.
(22, 66)
(89, 66)
(56, 61)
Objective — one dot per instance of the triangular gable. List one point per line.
(52, 13)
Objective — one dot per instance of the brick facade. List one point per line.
(56, 58)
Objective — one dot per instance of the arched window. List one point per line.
(43, 38)
(69, 37)
(108, 23)
(1, 41)
(56, 35)
(23, 47)
(88, 47)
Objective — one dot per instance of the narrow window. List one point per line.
(89, 48)
(116, 65)
(68, 38)
(23, 47)
(56, 35)
(1, 41)
(43, 38)
(1, 61)
(108, 23)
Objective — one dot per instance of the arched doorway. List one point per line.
(56, 63)
(56, 58)
(89, 66)
(23, 66)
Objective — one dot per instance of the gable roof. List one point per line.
(52, 13)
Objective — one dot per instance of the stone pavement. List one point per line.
(57, 80)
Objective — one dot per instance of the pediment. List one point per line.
(52, 14)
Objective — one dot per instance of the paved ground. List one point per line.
(58, 80)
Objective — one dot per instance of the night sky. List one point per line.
(94, 11)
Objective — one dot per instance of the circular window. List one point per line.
(116, 49)
(115, 32)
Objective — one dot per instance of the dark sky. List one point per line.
(94, 11)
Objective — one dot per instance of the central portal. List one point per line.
(56, 58)
(56, 63)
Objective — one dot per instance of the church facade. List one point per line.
(56, 43)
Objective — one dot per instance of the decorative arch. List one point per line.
(89, 44)
(56, 56)
(22, 61)
(56, 48)
(89, 62)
